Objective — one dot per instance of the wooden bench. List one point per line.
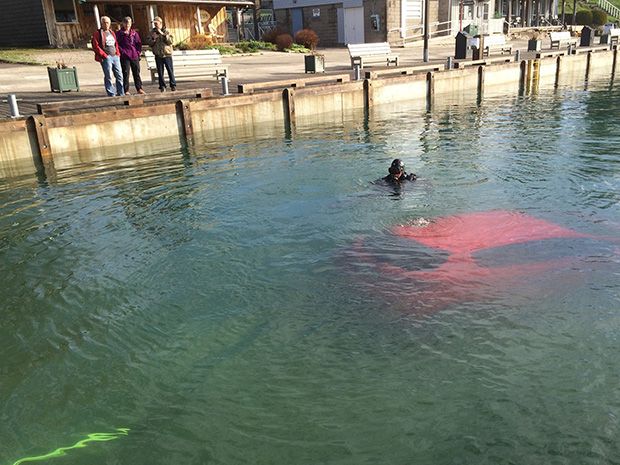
(191, 64)
(250, 88)
(402, 71)
(379, 52)
(560, 39)
(100, 103)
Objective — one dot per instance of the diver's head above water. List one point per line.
(398, 173)
(397, 168)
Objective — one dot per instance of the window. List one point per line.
(118, 12)
(413, 9)
(64, 10)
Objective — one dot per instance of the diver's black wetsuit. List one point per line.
(404, 177)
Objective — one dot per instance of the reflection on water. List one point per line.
(210, 300)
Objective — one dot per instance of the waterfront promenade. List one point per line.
(30, 82)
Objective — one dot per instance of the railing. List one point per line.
(248, 31)
(415, 33)
(609, 8)
(447, 28)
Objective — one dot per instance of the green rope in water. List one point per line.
(94, 437)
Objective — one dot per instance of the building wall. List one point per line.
(182, 21)
(375, 7)
(444, 8)
(326, 25)
(283, 20)
(33, 22)
(23, 23)
(71, 34)
(393, 21)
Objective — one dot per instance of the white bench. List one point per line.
(496, 42)
(560, 39)
(379, 52)
(191, 63)
(492, 42)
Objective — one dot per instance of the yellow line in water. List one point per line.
(94, 437)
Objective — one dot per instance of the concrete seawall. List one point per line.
(55, 142)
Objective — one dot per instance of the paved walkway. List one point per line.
(31, 85)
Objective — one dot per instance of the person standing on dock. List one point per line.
(108, 54)
(130, 45)
(160, 41)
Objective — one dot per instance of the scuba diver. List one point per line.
(398, 174)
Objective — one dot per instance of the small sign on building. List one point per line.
(316, 12)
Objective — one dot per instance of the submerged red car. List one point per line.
(474, 256)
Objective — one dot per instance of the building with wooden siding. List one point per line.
(71, 23)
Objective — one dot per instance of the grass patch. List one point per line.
(247, 46)
(24, 56)
(296, 48)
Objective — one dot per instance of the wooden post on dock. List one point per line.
(288, 101)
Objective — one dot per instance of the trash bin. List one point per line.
(534, 45)
(314, 63)
(587, 37)
(471, 29)
(460, 48)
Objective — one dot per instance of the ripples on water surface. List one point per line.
(213, 301)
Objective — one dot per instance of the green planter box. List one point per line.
(315, 63)
(63, 79)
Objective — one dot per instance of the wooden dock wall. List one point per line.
(54, 142)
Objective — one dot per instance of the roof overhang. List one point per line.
(190, 2)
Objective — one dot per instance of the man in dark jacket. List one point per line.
(108, 54)
(398, 174)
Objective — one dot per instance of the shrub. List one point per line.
(584, 17)
(296, 48)
(255, 45)
(599, 17)
(307, 38)
(225, 49)
(284, 41)
(272, 34)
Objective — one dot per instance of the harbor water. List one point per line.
(236, 302)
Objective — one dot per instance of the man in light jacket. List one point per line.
(160, 41)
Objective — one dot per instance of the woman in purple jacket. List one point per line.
(130, 44)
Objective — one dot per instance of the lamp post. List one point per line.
(563, 7)
(574, 13)
(426, 30)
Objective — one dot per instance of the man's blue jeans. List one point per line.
(112, 67)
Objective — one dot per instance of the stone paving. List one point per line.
(31, 85)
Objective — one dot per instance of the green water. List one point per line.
(208, 299)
